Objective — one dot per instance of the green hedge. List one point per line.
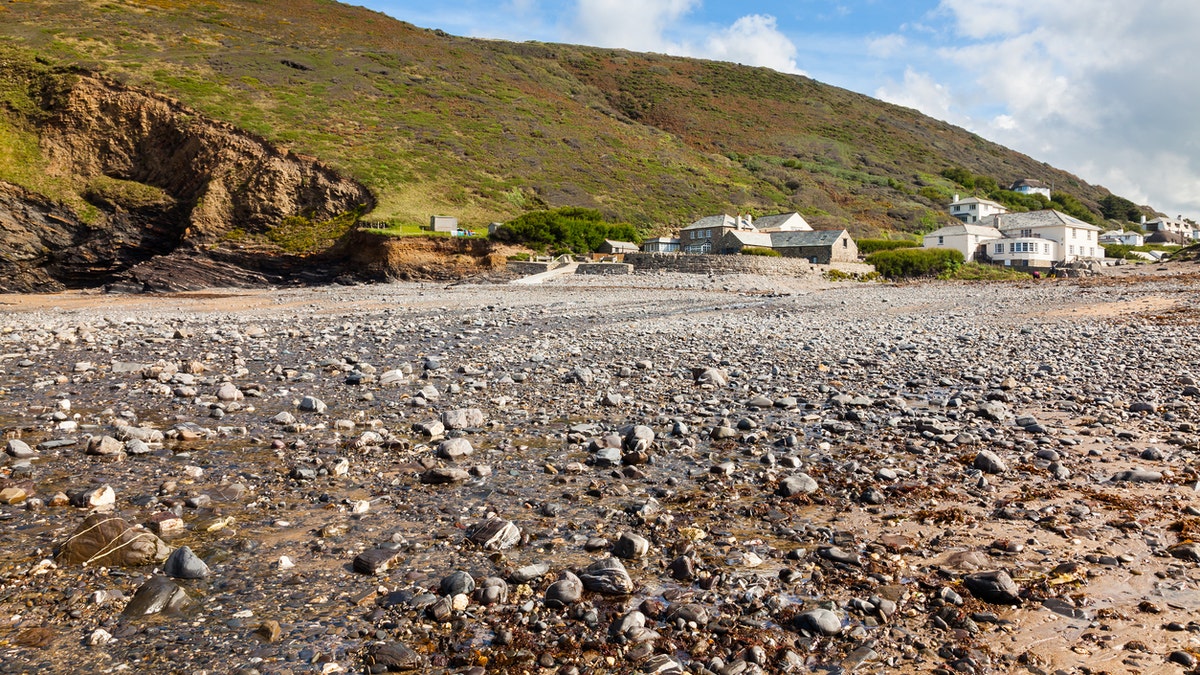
(915, 262)
(869, 246)
(758, 250)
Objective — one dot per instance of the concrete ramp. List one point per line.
(542, 277)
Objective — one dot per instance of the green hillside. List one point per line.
(487, 130)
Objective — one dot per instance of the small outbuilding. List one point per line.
(443, 224)
(611, 247)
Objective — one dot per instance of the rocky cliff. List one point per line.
(154, 178)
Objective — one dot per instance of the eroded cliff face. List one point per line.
(212, 178)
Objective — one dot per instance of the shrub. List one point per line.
(758, 250)
(974, 271)
(869, 246)
(1119, 251)
(908, 263)
(568, 230)
(835, 274)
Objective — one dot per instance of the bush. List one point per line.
(569, 229)
(1119, 251)
(974, 271)
(835, 274)
(907, 263)
(869, 246)
(758, 250)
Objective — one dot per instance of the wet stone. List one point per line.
(607, 576)
(566, 590)
(158, 595)
(989, 462)
(631, 546)
(375, 560)
(393, 657)
(798, 484)
(495, 534)
(995, 587)
(819, 622)
(106, 540)
(183, 564)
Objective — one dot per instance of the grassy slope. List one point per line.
(484, 129)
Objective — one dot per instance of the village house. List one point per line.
(612, 247)
(1041, 239)
(1028, 186)
(702, 236)
(661, 245)
(964, 238)
(1122, 238)
(781, 222)
(973, 209)
(820, 247)
(1173, 225)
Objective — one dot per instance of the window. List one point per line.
(1074, 233)
(1026, 233)
(999, 248)
(1012, 248)
(1046, 249)
(941, 240)
(1071, 249)
(846, 243)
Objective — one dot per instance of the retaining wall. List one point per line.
(604, 268)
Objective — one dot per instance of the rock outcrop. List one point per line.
(154, 178)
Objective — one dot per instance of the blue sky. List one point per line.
(1084, 85)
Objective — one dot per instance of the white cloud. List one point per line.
(1101, 88)
(886, 46)
(921, 92)
(639, 25)
(663, 26)
(754, 40)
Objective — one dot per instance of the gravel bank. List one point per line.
(657, 473)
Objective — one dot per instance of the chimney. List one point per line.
(1143, 220)
(955, 196)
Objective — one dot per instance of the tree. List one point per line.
(1068, 204)
(1119, 208)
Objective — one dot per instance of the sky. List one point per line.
(1101, 88)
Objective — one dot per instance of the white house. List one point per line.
(781, 222)
(973, 209)
(1175, 225)
(1028, 186)
(661, 245)
(963, 238)
(1124, 238)
(1042, 238)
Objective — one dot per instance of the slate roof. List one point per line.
(805, 238)
(713, 222)
(950, 230)
(751, 238)
(621, 245)
(977, 200)
(1042, 218)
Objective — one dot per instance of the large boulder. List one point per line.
(105, 540)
